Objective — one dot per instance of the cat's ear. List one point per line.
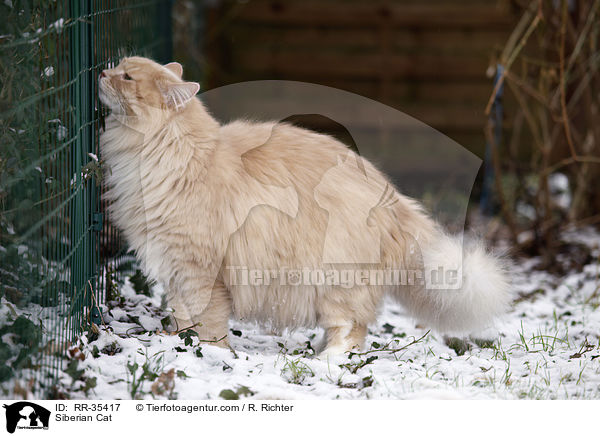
(175, 68)
(177, 95)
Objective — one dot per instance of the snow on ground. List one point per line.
(547, 347)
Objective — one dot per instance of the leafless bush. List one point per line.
(551, 63)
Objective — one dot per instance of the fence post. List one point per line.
(81, 71)
(496, 116)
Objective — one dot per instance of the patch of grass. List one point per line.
(150, 370)
(295, 371)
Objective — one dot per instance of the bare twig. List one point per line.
(506, 211)
(391, 350)
(563, 83)
(96, 303)
(527, 88)
(176, 332)
(587, 221)
(569, 161)
(528, 114)
(508, 64)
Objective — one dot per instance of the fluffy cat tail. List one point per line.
(459, 297)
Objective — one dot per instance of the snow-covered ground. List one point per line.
(546, 347)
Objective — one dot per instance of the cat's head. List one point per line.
(137, 85)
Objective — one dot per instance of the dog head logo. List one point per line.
(26, 415)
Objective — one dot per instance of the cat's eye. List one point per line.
(127, 77)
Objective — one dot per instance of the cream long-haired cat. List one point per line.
(272, 222)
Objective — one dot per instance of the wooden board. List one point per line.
(426, 58)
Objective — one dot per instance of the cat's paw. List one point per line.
(334, 353)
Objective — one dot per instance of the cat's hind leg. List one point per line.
(344, 337)
(345, 314)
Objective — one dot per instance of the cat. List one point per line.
(262, 221)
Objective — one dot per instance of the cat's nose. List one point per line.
(102, 74)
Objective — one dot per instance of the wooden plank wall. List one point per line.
(427, 58)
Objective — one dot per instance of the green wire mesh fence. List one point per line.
(58, 252)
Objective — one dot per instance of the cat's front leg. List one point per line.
(181, 319)
(205, 310)
(212, 325)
